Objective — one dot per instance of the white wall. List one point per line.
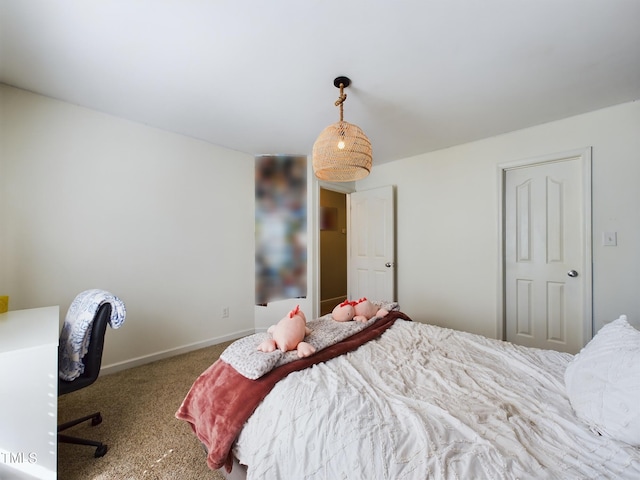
(447, 220)
(167, 223)
(164, 221)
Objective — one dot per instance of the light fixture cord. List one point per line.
(341, 99)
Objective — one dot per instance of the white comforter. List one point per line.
(427, 402)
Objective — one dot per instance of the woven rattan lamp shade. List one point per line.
(342, 153)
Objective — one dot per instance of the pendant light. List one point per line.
(342, 152)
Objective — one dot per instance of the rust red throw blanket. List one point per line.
(221, 400)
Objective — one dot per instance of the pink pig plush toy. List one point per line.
(288, 334)
(365, 310)
(344, 312)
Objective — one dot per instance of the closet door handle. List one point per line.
(572, 273)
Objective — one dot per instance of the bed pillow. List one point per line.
(603, 382)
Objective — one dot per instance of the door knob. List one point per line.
(572, 273)
(388, 264)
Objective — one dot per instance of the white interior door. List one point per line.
(547, 267)
(372, 270)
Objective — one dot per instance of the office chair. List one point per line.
(92, 362)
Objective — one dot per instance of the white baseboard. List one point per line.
(136, 362)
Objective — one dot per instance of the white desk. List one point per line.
(29, 399)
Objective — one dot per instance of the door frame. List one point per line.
(585, 155)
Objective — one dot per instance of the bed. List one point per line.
(405, 400)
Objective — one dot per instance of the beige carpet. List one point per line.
(145, 439)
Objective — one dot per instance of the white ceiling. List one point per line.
(257, 76)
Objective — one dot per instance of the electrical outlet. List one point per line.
(225, 312)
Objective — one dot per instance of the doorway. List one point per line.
(546, 251)
(333, 249)
(357, 245)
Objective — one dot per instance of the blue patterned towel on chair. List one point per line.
(76, 331)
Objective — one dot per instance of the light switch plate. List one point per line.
(609, 239)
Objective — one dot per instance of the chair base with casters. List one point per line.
(96, 419)
(92, 363)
